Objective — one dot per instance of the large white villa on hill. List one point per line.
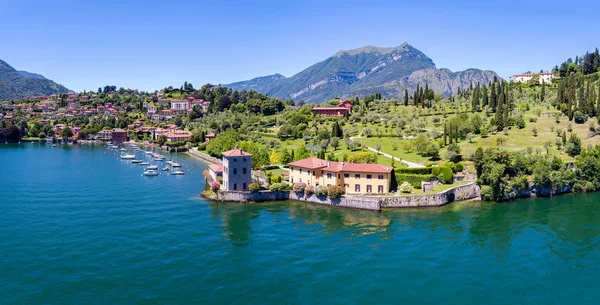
(545, 77)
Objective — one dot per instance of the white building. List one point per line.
(180, 105)
(545, 77)
(237, 170)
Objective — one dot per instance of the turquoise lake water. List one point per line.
(80, 226)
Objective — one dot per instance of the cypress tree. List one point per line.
(543, 92)
(484, 96)
(493, 102)
(405, 97)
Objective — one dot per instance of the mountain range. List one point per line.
(365, 71)
(18, 84)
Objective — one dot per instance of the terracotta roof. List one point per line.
(236, 152)
(314, 163)
(217, 168)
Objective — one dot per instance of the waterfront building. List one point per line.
(215, 170)
(355, 178)
(237, 170)
(105, 134)
(340, 110)
(545, 77)
(119, 135)
(209, 136)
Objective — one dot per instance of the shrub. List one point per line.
(321, 190)
(363, 157)
(275, 179)
(276, 187)
(335, 191)
(579, 117)
(456, 167)
(215, 186)
(286, 186)
(406, 187)
(220, 179)
(309, 190)
(520, 123)
(254, 187)
(299, 187)
(202, 146)
(487, 193)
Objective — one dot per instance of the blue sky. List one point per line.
(152, 44)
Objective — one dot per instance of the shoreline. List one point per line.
(465, 192)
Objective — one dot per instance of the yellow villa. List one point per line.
(355, 178)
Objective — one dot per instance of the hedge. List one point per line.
(414, 180)
(414, 171)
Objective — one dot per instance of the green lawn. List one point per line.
(436, 189)
(387, 146)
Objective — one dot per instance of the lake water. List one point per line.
(80, 226)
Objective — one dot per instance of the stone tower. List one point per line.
(237, 170)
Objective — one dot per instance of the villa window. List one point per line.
(380, 189)
(369, 189)
(235, 171)
(301, 171)
(234, 160)
(309, 171)
(328, 175)
(357, 188)
(346, 185)
(380, 177)
(339, 176)
(244, 185)
(369, 176)
(243, 159)
(244, 170)
(346, 175)
(235, 186)
(357, 176)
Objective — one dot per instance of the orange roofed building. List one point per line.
(340, 110)
(355, 178)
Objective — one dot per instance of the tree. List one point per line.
(573, 148)
(336, 130)
(334, 142)
(66, 133)
(405, 97)
(273, 158)
(162, 139)
(378, 147)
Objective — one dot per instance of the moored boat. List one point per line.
(175, 164)
(151, 167)
(178, 172)
(150, 173)
(128, 156)
(136, 161)
(144, 163)
(166, 168)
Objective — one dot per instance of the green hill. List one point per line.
(18, 84)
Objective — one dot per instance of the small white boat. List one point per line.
(151, 167)
(136, 161)
(123, 149)
(170, 162)
(166, 168)
(175, 164)
(147, 152)
(178, 172)
(150, 173)
(128, 156)
(159, 159)
(144, 163)
(53, 145)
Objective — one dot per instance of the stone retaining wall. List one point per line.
(463, 192)
(204, 157)
(374, 203)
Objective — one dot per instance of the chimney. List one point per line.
(342, 163)
(328, 164)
